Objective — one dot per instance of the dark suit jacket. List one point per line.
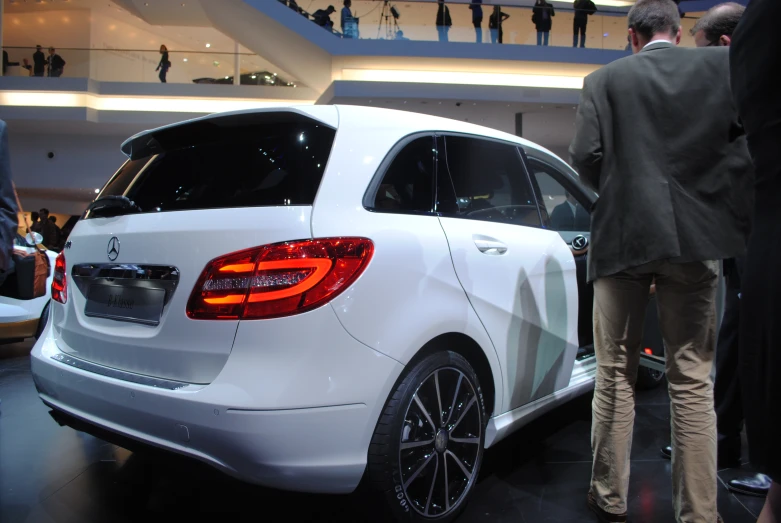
(658, 137)
(8, 216)
(563, 219)
(754, 63)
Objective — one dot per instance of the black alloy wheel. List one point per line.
(427, 448)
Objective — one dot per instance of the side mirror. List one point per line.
(33, 238)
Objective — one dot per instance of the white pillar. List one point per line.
(236, 64)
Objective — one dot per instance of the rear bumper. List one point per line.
(231, 423)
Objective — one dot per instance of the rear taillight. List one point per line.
(60, 280)
(278, 280)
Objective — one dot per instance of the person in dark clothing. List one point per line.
(754, 57)
(542, 15)
(322, 17)
(443, 21)
(477, 19)
(55, 64)
(570, 216)
(39, 61)
(164, 65)
(583, 9)
(48, 230)
(6, 62)
(8, 211)
(715, 28)
(57, 243)
(495, 24)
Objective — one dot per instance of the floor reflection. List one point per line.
(54, 474)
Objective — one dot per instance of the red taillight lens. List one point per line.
(278, 280)
(60, 280)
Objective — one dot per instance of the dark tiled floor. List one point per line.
(52, 474)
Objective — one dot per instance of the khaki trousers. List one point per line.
(686, 296)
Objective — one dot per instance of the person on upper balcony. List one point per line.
(322, 17)
(39, 61)
(477, 19)
(495, 24)
(164, 65)
(583, 9)
(542, 17)
(56, 64)
(443, 21)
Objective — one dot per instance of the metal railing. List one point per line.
(143, 65)
(424, 20)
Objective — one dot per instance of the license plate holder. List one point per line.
(133, 304)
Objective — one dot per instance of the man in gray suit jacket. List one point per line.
(658, 137)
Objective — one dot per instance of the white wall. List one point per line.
(80, 161)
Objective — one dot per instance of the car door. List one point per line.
(519, 277)
(566, 209)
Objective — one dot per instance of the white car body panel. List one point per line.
(527, 298)
(15, 311)
(293, 402)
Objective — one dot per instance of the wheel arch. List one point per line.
(475, 355)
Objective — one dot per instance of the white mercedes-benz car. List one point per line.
(20, 319)
(306, 297)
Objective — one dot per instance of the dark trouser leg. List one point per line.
(478, 31)
(583, 35)
(727, 396)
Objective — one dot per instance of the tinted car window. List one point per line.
(238, 163)
(561, 210)
(490, 182)
(408, 184)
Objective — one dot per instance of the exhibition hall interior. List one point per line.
(327, 260)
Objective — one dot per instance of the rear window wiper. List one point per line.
(112, 206)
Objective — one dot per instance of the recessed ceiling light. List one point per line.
(184, 59)
(97, 191)
(208, 44)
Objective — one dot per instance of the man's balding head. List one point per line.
(715, 28)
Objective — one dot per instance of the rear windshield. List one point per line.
(249, 160)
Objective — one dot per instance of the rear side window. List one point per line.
(490, 182)
(408, 184)
(249, 160)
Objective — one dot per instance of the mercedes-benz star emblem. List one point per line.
(579, 242)
(113, 248)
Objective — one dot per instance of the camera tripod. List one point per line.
(391, 28)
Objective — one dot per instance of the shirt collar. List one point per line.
(658, 41)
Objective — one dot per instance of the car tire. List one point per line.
(648, 378)
(423, 438)
(42, 322)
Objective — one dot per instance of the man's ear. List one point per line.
(725, 40)
(678, 37)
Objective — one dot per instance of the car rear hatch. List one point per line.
(188, 193)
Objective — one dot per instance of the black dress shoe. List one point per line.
(752, 486)
(602, 515)
(725, 460)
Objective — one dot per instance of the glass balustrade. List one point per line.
(506, 24)
(134, 65)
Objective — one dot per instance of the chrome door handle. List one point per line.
(491, 247)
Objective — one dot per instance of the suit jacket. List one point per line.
(564, 219)
(754, 63)
(8, 212)
(658, 137)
